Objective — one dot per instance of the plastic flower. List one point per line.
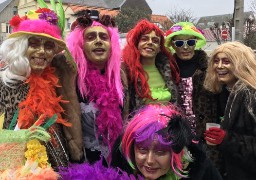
(187, 27)
(36, 152)
(49, 17)
(196, 30)
(176, 28)
(42, 10)
(15, 21)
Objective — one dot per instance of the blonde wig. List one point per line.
(244, 62)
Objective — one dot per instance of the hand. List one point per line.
(215, 135)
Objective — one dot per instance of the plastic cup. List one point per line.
(208, 126)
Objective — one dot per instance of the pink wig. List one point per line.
(144, 127)
(75, 43)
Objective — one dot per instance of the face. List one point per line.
(152, 161)
(40, 52)
(97, 46)
(224, 69)
(184, 46)
(149, 45)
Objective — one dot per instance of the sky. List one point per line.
(198, 8)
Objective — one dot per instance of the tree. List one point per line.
(128, 17)
(180, 14)
(216, 32)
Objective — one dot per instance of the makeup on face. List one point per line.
(224, 69)
(149, 46)
(97, 46)
(36, 43)
(40, 52)
(152, 161)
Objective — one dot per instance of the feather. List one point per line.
(50, 122)
(53, 5)
(42, 4)
(178, 131)
(61, 15)
(40, 120)
(14, 120)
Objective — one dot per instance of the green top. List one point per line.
(157, 86)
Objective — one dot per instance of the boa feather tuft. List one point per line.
(95, 171)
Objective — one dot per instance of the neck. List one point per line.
(148, 61)
(230, 85)
(101, 67)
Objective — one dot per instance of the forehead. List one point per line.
(96, 29)
(221, 55)
(183, 37)
(153, 144)
(151, 34)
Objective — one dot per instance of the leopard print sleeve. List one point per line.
(9, 100)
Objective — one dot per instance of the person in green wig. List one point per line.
(186, 43)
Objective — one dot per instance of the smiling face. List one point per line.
(152, 161)
(97, 47)
(224, 69)
(149, 46)
(40, 52)
(187, 51)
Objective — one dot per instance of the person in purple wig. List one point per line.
(158, 144)
(94, 45)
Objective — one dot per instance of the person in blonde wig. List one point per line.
(232, 67)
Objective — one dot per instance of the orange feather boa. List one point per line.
(41, 99)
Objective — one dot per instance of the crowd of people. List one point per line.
(83, 108)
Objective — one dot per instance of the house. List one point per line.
(8, 8)
(215, 26)
(111, 7)
(163, 22)
(220, 20)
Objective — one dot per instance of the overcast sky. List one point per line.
(197, 7)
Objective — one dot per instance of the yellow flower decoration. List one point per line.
(36, 152)
(32, 15)
(186, 27)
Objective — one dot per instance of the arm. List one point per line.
(67, 78)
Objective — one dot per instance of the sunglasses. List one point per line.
(180, 43)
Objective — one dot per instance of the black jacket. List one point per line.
(239, 145)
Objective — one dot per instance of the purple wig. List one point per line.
(144, 127)
(75, 43)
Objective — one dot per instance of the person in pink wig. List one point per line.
(158, 144)
(94, 45)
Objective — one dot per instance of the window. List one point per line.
(68, 23)
(8, 28)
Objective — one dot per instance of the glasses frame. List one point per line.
(184, 42)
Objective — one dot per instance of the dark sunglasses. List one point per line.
(180, 43)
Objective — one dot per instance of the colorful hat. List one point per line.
(185, 28)
(42, 22)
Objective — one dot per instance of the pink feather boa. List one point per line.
(109, 120)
